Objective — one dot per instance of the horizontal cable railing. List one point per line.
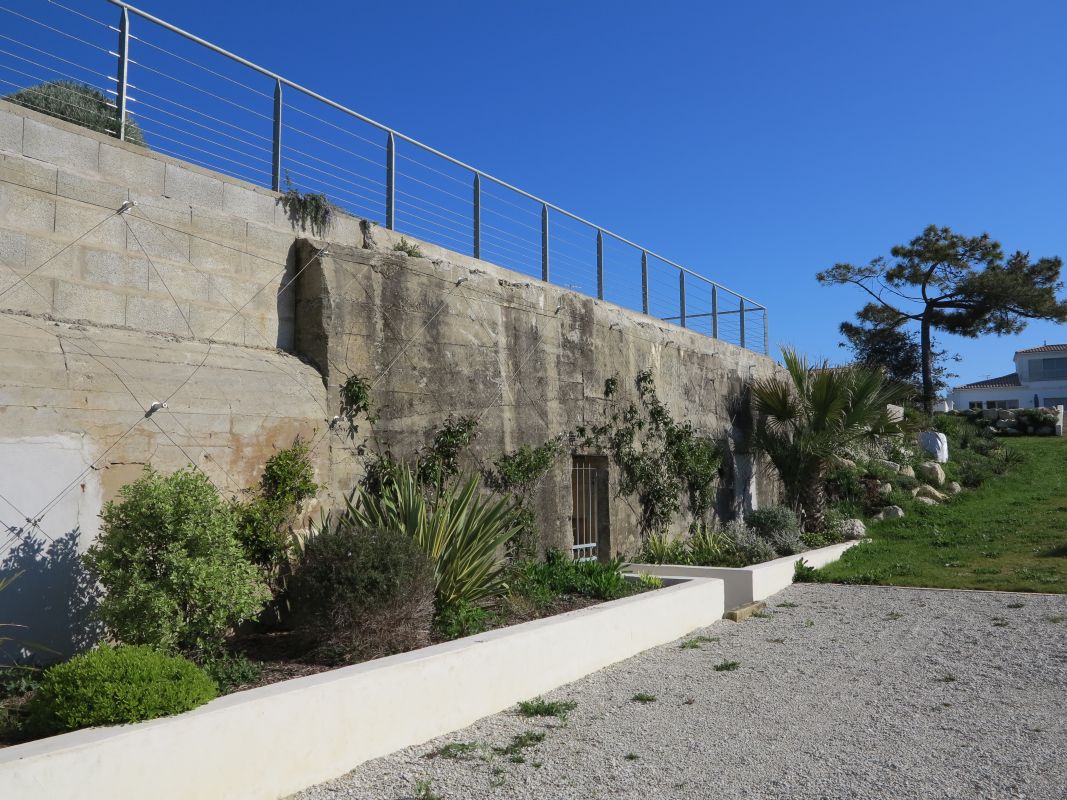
(188, 98)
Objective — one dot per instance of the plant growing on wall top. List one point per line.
(660, 459)
(407, 248)
(312, 211)
(79, 103)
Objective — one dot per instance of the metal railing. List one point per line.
(183, 105)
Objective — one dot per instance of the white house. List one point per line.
(1039, 380)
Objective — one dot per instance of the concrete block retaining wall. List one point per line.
(275, 740)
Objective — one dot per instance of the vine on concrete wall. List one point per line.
(518, 474)
(659, 459)
(313, 211)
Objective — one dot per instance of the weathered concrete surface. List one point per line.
(192, 297)
(528, 359)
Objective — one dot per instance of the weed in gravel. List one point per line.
(631, 756)
(688, 701)
(520, 742)
(1000, 622)
(424, 791)
(809, 623)
(776, 641)
(894, 615)
(1056, 619)
(727, 666)
(458, 751)
(547, 708)
(762, 614)
(696, 641)
(788, 604)
(948, 677)
(497, 777)
(1016, 605)
(536, 764)
(644, 697)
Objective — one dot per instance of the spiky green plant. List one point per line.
(460, 529)
(807, 420)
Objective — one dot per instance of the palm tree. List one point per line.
(806, 422)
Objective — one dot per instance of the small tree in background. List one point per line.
(958, 284)
(896, 352)
(79, 103)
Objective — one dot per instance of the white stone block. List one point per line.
(936, 444)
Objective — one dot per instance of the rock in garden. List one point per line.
(890, 512)
(936, 444)
(926, 501)
(885, 489)
(890, 465)
(853, 529)
(907, 471)
(952, 487)
(931, 472)
(928, 491)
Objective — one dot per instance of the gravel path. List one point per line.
(853, 692)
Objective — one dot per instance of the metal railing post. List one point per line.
(766, 340)
(390, 183)
(681, 297)
(477, 215)
(741, 316)
(124, 70)
(276, 152)
(544, 242)
(714, 312)
(644, 281)
(600, 265)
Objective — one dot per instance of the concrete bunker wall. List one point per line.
(187, 299)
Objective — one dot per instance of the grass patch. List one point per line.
(631, 756)
(457, 751)
(519, 742)
(727, 666)
(643, 697)
(696, 642)
(424, 791)
(788, 604)
(546, 708)
(1015, 523)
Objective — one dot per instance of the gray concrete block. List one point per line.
(224, 230)
(159, 314)
(191, 187)
(60, 147)
(73, 219)
(78, 301)
(209, 256)
(248, 204)
(128, 169)
(32, 294)
(26, 172)
(154, 237)
(90, 190)
(114, 269)
(10, 131)
(220, 325)
(46, 256)
(13, 250)
(26, 210)
(182, 282)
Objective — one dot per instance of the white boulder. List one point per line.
(936, 444)
(890, 512)
(853, 529)
(932, 473)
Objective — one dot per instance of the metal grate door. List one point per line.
(589, 507)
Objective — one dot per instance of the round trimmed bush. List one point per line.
(116, 685)
(362, 593)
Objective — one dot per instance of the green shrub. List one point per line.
(78, 103)
(360, 593)
(112, 686)
(774, 519)
(168, 557)
(844, 484)
(264, 522)
(462, 531)
(750, 548)
(229, 671)
(803, 572)
(542, 582)
(710, 547)
(461, 619)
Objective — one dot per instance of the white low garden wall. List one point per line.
(756, 582)
(275, 740)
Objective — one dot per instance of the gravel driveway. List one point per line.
(840, 692)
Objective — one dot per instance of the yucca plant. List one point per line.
(806, 421)
(460, 529)
(662, 548)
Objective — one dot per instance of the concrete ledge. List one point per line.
(275, 740)
(748, 584)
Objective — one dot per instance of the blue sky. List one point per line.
(758, 142)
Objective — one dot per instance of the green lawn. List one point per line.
(1008, 534)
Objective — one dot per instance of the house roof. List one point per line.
(1004, 381)
(1045, 348)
